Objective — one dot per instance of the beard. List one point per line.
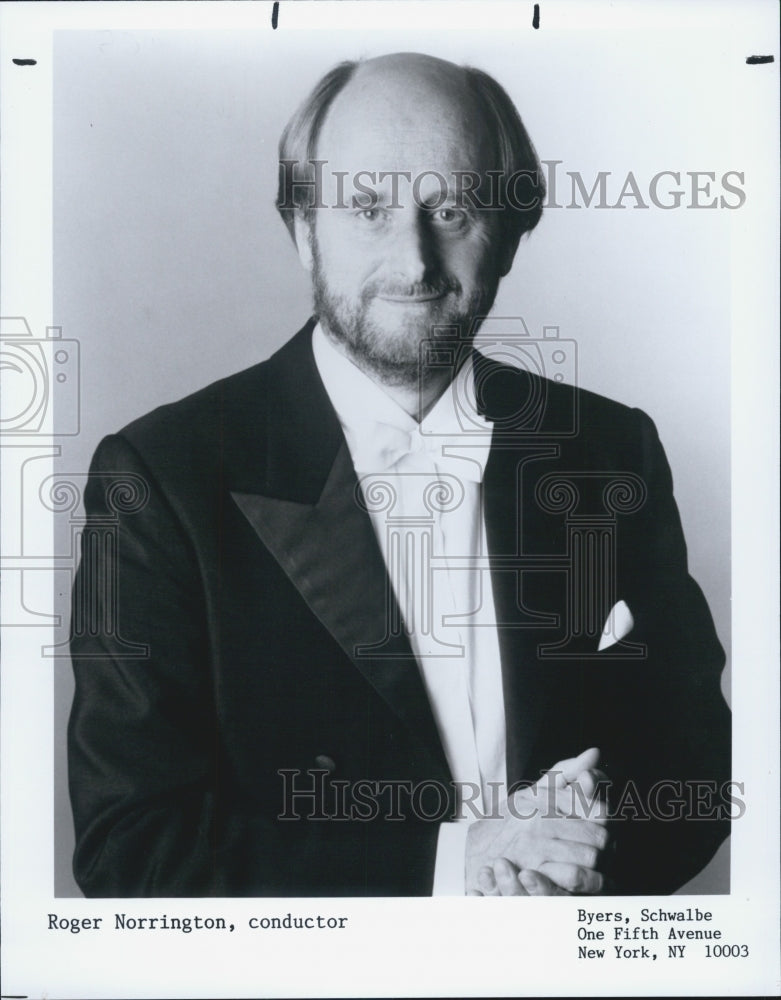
(391, 353)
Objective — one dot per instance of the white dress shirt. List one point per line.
(421, 484)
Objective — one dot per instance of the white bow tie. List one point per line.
(388, 448)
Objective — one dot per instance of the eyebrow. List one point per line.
(372, 198)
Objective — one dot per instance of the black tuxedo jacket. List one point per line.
(230, 583)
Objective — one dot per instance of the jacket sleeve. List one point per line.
(673, 799)
(146, 772)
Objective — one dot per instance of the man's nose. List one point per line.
(413, 257)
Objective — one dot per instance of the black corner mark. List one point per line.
(25, 62)
(275, 15)
(536, 16)
(758, 60)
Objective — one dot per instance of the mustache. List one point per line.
(413, 290)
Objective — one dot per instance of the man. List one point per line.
(409, 615)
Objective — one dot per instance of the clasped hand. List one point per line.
(549, 840)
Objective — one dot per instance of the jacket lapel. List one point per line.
(304, 507)
(521, 628)
(518, 540)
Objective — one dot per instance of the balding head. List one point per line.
(406, 116)
(405, 113)
(420, 98)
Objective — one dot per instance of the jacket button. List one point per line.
(325, 763)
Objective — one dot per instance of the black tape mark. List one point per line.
(25, 62)
(275, 15)
(758, 60)
(536, 17)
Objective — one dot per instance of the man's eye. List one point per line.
(370, 214)
(450, 217)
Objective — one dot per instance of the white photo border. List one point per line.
(406, 947)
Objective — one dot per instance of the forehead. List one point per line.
(406, 117)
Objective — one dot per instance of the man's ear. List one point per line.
(303, 235)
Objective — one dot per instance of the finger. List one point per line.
(506, 875)
(580, 797)
(585, 761)
(583, 797)
(473, 892)
(591, 780)
(486, 882)
(552, 828)
(566, 851)
(565, 771)
(537, 884)
(576, 880)
(580, 831)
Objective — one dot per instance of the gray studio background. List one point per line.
(172, 269)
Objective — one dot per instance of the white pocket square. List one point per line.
(619, 623)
